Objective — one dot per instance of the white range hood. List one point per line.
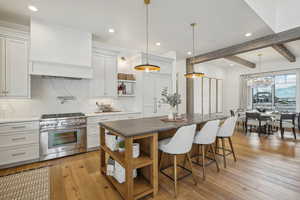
(60, 51)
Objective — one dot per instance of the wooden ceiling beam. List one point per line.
(263, 42)
(241, 61)
(281, 49)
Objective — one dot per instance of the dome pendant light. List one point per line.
(147, 67)
(194, 74)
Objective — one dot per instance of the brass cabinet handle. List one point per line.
(20, 138)
(18, 127)
(18, 154)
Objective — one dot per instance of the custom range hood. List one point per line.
(59, 51)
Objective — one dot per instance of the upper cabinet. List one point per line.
(14, 77)
(104, 81)
(60, 51)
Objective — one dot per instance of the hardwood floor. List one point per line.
(267, 168)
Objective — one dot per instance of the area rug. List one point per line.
(27, 185)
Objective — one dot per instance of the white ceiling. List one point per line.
(220, 23)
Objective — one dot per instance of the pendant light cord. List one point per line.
(147, 32)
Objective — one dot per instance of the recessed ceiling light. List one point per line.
(248, 34)
(231, 64)
(157, 44)
(111, 30)
(189, 53)
(32, 8)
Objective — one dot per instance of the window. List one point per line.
(279, 95)
(285, 92)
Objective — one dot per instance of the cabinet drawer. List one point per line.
(93, 130)
(20, 138)
(130, 116)
(19, 154)
(93, 141)
(14, 127)
(94, 120)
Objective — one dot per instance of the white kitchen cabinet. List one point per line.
(153, 85)
(104, 82)
(19, 143)
(14, 80)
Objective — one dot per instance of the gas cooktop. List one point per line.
(62, 115)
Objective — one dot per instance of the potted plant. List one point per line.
(122, 146)
(173, 100)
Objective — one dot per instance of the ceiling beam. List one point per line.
(263, 42)
(241, 61)
(281, 49)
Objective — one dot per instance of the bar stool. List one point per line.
(226, 131)
(180, 143)
(206, 137)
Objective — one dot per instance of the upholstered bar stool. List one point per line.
(226, 131)
(181, 143)
(206, 137)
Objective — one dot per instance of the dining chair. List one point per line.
(205, 138)
(180, 144)
(226, 131)
(255, 119)
(287, 121)
(232, 113)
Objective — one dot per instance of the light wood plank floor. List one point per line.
(267, 168)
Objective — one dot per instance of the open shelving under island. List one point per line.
(146, 132)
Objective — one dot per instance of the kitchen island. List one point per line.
(146, 132)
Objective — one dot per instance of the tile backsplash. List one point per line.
(44, 93)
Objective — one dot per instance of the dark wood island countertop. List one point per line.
(141, 126)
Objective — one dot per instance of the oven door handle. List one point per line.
(61, 129)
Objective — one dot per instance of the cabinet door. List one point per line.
(149, 98)
(17, 78)
(153, 85)
(97, 84)
(2, 66)
(110, 73)
(163, 81)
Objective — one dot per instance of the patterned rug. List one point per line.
(28, 185)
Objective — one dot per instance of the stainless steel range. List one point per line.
(62, 135)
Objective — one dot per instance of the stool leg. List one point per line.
(175, 175)
(203, 161)
(214, 154)
(191, 166)
(294, 132)
(231, 146)
(217, 145)
(161, 160)
(224, 155)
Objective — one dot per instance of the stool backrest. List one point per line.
(288, 117)
(182, 141)
(227, 128)
(208, 133)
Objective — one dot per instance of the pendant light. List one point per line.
(194, 74)
(147, 67)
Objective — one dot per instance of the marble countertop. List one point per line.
(141, 126)
(28, 119)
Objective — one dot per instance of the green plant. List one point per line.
(122, 144)
(171, 99)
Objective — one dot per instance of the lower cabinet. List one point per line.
(19, 143)
(17, 154)
(93, 128)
